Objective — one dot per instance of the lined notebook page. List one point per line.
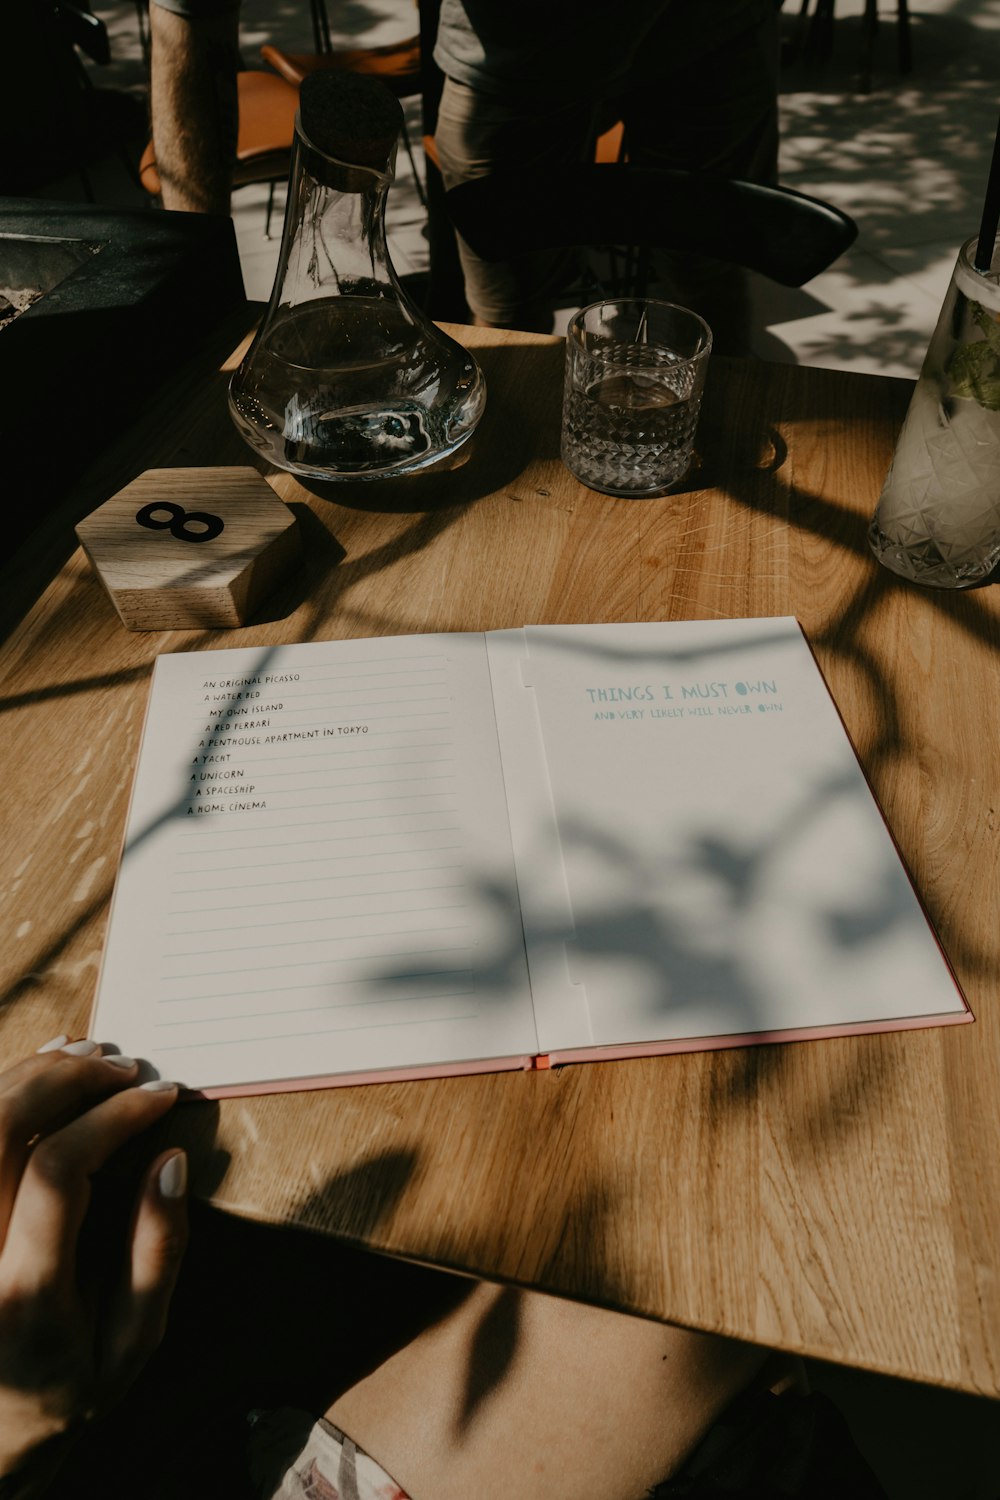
(317, 876)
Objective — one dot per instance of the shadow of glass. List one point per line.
(320, 554)
(745, 459)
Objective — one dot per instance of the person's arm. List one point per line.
(63, 1113)
(193, 102)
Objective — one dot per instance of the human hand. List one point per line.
(68, 1350)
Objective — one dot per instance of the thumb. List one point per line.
(158, 1241)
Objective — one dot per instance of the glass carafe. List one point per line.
(346, 378)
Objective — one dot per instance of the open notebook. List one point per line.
(415, 855)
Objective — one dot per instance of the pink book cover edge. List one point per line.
(378, 1075)
(556, 1059)
(754, 1038)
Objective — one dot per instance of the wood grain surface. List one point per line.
(840, 1198)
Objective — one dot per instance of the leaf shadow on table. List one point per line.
(321, 554)
(35, 971)
(353, 572)
(76, 686)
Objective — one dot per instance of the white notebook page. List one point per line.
(706, 856)
(317, 876)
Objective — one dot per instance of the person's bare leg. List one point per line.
(519, 1394)
(193, 103)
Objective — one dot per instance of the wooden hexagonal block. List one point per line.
(178, 548)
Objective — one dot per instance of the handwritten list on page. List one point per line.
(317, 876)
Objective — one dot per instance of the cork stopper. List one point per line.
(351, 117)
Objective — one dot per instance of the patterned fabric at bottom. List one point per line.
(294, 1458)
(763, 1447)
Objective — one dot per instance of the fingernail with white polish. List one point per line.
(55, 1044)
(173, 1176)
(117, 1060)
(157, 1085)
(84, 1048)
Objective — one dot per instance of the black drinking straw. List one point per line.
(991, 212)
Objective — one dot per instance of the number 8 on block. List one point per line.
(179, 521)
(139, 544)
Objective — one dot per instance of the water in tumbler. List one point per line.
(629, 433)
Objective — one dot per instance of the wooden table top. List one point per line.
(839, 1198)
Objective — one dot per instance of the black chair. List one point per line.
(782, 234)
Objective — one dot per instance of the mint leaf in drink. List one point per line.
(989, 325)
(974, 372)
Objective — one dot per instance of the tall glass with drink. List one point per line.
(938, 519)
